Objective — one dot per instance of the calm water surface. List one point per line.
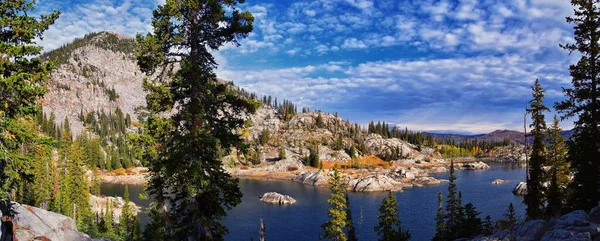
(302, 221)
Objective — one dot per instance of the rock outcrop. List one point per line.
(315, 178)
(573, 226)
(471, 166)
(33, 223)
(277, 198)
(381, 146)
(520, 189)
(507, 154)
(374, 183)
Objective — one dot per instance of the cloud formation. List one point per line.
(461, 65)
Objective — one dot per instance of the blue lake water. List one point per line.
(302, 221)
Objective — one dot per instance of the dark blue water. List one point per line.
(418, 206)
(302, 221)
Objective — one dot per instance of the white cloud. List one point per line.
(353, 43)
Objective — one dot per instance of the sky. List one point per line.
(461, 66)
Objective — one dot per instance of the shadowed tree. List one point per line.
(559, 171)
(189, 180)
(582, 103)
(534, 199)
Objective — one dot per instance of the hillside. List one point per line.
(494, 136)
(98, 76)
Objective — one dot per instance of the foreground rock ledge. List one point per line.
(277, 198)
(33, 223)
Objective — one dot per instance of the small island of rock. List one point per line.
(277, 198)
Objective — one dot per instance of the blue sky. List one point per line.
(459, 66)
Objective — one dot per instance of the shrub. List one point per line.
(292, 168)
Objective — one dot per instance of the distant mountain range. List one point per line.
(494, 136)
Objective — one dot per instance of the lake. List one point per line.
(302, 221)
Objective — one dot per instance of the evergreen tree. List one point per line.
(127, 217)
(559, 170)
(338, 144)
(22, 81)
(77, 199)
(44, 176)
(66, 134)
(487, 228)
(440, 224)
(582, 103)
(137, 231)
(188, 163)
(453, 217)
(473, 224)
(265, 135)
(319, 121)
(154, 229)
(334, 227)
(109, 220)
(349, 222)
(281, 153)
(510, 218)
(534, 199)
(389, 227)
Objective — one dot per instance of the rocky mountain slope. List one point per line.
(95, 73)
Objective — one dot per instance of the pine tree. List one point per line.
(319, 121)
(440, 224)
(534, 199)
(351, 230)
(487, 228)
(44, 176)
(559, 170)
(77, 198)
(453, 225)
(510, 218)
(66, 135)
(127, 217)
(188, 163)
(473, 224)
(389, 227)
(137, 231)
(22, 82)
(281, 153)
(334, 228)
(265, 135)
(338, 144)
(582, 103)
(109, 220)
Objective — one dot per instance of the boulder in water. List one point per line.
(520, 189)
(499, 181)
(277, 198)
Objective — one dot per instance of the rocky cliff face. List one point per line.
(93, 74)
